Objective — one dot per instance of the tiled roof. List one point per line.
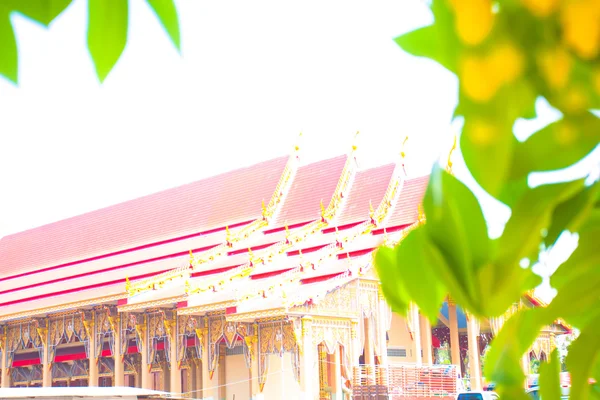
(369, 187)
(229, 198)
(406, 210)
(313, 183)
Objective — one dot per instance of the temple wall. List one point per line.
(237, 378)
(400, 339)
(281, 384)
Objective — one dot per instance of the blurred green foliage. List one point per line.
(108, 22)
(506, 55)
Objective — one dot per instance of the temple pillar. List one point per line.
(426, 340)
(252, 342)
(146, 377)
(47, 367)
(175, 381)
(307, 361)
(414, 310)
(206, 381)
(119, 377)
(336, 381)
(369, 353)
(5, 370)
(93, 360)
(454, 340)
(383, 358)
(474, 360)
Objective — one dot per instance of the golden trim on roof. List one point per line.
(272, 313)
(267, 213)
(150, 304)
(216, 308)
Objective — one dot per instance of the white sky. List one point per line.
(252, 75)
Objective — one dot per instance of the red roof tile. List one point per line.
(313, 183)
(407, 206)
(229, 198)
(369, 187)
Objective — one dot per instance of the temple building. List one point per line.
(256, 283)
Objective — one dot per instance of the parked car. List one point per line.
(480, 395)
(534, 392)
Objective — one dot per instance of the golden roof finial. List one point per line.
(264, 208)
(127, 284)
(402, 152)
(227, 233)
(449, 163)
(421, 217)
(322, 209)
(371, 210)
(250, 253)
(297, 145)
(191, 258)
(354, 145)
(287, 230)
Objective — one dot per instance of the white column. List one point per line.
(383, 358)
(93, 365)
(145, 370)
(175, 386)
(118, 356)
(454, 341)
(307, 361)
(47, 367)
(474, 364)
(5, 370)
(417, 334)
(426, 340)
(253, 345)
(206, 381)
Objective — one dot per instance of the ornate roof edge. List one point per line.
(61, 307)
(257, 225)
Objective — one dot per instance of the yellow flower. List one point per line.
(475, 79)
(506, 62)
(581, 25)
(555, 66)
(483, 133)
(541, 8)
(474, 20)
(575, 100)
(596, 80)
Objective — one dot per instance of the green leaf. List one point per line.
(167, 14)
(42, 11)
(550, 378)
(391, 280)
(570, 214)
(512, 191)
(9, 58)
(107, 33)
(487, 144)
(583, 355)
(503, 361)
(456, 226)
(557, 146)
(586, 257)
(437, 42)
(530, 216)
(578, 301)
(418, 261)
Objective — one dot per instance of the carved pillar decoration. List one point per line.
(368, 304)
(159, 325)
(106, 327)
(454, 342)
(473, 348)
(141, 328)
(232, 333)
(206, 376)
(276, 337)
(189, 338)
(307, 365)
(69, 328)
